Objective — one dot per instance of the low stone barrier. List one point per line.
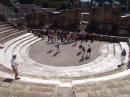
(110, 38)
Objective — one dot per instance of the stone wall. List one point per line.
(37, 19)
(69, 18)
(125, 23)
(65, 19)
(104, 19)
(7, 7)
(4, 11)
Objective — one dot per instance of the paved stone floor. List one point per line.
(69, 55)
(12, 88)
(113, 88)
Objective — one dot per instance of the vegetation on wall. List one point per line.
(58, 4)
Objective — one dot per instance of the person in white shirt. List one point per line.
(58, 46)
(14, 65)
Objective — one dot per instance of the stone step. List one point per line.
(4, 25)
(69, 94)
(6, 28)
(11, 36)
(22, 93)
(8, 32)
(7, 82)
(12, 88)
(123, 95)
(5, 69)
(65, 92)
(10, 49)
(62, 89)
(112, 88)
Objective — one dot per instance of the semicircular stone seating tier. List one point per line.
(108, 60)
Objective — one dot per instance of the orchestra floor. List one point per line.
(70, 55)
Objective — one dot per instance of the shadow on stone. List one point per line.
(87, 58)
(55, 54)
(65, 43)
(74, 45)
(8, 80)
(79, 53)
(50, 51)
(82, 59)
(46, 42)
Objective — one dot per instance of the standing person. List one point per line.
(52, 45)
(14, 65)
(129, 56)
(80, 46)
(68, 36)
(31, 31)
(128, 67)
(84, 33)
(58, 46)
(81, 36)
(75, 38)
(89, 51)
(123, 55)
(84, 51)
(55, 35)
(49, 36)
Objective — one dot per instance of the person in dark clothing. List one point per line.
(89, 51)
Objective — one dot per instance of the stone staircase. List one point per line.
(112, 88)
(11, 88)
(8, 32)
(65, 92)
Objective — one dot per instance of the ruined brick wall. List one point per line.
(125, 22)
(99, 14)
(62, 19)
(37, 19)
(66, 18)
(69, 17)
(104, 19)
(5, 9)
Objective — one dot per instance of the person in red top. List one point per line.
(49, 36)
(93, 36)
(87, 35)
(55, 32)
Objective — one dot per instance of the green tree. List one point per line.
(25, 1)
(129, 4)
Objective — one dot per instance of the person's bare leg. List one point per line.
(89, 54)
(16, 76)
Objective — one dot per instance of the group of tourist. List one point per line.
(57, 37)
(64, 35)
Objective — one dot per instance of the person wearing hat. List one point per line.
(14, 65)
